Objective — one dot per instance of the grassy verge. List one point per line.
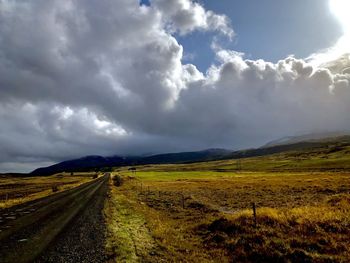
(138, 232)
(128, 236)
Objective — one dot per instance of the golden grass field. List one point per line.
(17, 190)
(202, 212)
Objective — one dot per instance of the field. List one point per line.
(287, 207)
(203, 212)
(16, 190)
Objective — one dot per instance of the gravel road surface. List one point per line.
(83, 240)
(65, 227)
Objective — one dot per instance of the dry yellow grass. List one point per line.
(170, 240)
(302, 234)
(128, 237)
(17, 190)
(301, 217)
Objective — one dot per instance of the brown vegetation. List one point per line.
(301, 217)
(15, 190)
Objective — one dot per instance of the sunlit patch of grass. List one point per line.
(179, 175)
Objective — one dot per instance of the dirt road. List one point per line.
(64, 227)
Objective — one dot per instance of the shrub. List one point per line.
(117, 180)
(54, 188)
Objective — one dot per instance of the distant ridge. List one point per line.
(91, 162)
(81, 164)
(184, 157)
(312, 137)
(297, 143)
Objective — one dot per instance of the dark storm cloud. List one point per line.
(106, 77)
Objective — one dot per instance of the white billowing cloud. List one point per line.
(106, 77)
(252, 101)
(186, 16)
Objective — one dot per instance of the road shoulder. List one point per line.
(128, 237)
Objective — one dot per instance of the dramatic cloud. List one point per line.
(185, 16)
(106, 77)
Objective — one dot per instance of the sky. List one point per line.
(88, 77)
(295, 27)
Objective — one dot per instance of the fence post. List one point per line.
(254, 214)
(183, 201)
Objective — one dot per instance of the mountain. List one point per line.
(289, 144)
(85, 163)
(92, 162)
(312, 137)
(186, 157)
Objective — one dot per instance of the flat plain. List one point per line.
(16, 190)
(203, 212)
